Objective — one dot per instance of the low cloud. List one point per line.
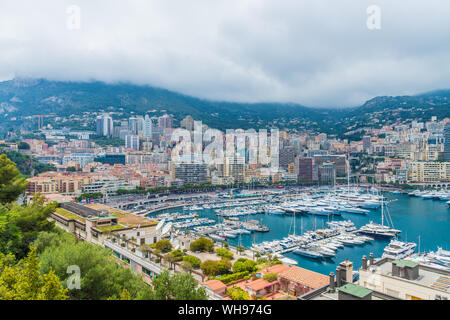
(317, 54)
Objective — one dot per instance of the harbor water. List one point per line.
(416, 217)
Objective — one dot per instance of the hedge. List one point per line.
(233, 277)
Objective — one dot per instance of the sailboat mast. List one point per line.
(382, 215)
(348, 176)
(419, 245)
(301, 225)
(294, 222)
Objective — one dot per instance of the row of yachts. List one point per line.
(231, 229)
(442, 195)
(319, 244)
(326, 205)
(226, 204)
(190, 223)
(397, 249)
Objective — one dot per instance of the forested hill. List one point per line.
(38, 96)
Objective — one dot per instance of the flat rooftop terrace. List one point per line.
(428, 277)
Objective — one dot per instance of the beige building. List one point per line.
(429, 171)
(234, 167)
(52, 182)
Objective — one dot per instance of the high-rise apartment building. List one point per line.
(132, 141)
(447, 142)
(287, 156)
(187, 123)
(135, 125)
(234, 167)
(307, 169)
(191, 172)
(148, 127)
(165, 122)
(105, 126)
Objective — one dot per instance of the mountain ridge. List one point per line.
(24, 97)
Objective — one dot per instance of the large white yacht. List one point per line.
(399, 249)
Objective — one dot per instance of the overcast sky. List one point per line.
(316, 53)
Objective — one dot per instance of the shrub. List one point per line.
(163, 245)
(224, 253)
(202, 244)
(237, 293)
(233, 277)
(193, 261)
(270, 277)
(177, 253)
(262, 261)
(243, 264)
(214, 268)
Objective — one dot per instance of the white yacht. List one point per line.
(399, 249)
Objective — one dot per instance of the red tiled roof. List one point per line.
(215, 285)
(305, 277)
(278, 268)
(260, 284)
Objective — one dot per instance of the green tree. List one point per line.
(22, 281)
(163, 245)
(202, 244)
(11, 185)
(243, 264)
(20, 225)
(23, 145)
(193, 261)
(101, 276)
(224, 253)
(177, 287)
(214, 268)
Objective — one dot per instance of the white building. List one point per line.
(132, 142)
(105, 126)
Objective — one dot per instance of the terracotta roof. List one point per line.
(278, 268)
(305, 277)
(259, 284)
(215, 285)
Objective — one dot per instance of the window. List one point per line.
(147, 272)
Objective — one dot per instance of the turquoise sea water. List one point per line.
(429, 219)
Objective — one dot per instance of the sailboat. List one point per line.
(379, 230)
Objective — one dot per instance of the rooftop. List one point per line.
(305, 277)
(259, 284)
(215, 285)
(355, 290)
(278, 268)
(428, 277)
(404, 263)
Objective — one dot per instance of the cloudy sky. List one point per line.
(316, 53)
